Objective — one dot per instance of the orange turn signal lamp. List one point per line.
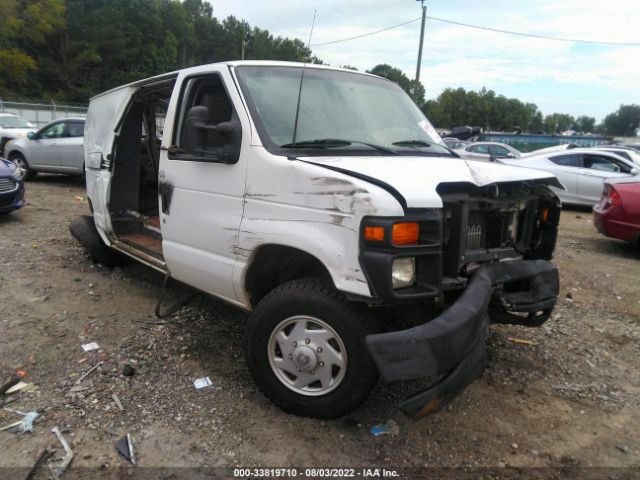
(545, 215)
(374, 234)
(404, 233)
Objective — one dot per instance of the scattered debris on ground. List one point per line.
(88, 347)
(568, 396)
(57, 471)
(124, 446)
(128, 370)
(388, 428)
(202, 382)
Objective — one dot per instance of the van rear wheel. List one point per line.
(84, 231)
(306, 350)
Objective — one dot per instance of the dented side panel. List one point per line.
(311, 208)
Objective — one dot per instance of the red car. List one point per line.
(617, 214)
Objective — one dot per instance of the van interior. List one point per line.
(134, 196)
(133, 202)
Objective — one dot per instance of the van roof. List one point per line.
(235, 63)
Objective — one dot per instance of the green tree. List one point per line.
(48, 51)
(449, 109)
(413, 88)
(436, 114)
(484, 108)
(623, 122)
(536, 120)
(23, 30)
(585, 124)
(558, 122)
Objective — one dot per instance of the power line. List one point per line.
(489, 29)
(366, 34)
(533, 35)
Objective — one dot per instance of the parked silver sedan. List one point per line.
(454, 143)
(581, 170)
(58, 147)
(624, 152)
(487, 150)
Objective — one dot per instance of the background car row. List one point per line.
(581, 170)
(605, 177)
(57, 147)
(617, 214)
(13, 126)
(608, 176)
(11, 187)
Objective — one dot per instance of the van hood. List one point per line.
(417, 178)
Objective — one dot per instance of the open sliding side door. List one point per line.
(104, 119)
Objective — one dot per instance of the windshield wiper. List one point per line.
(335, 143)
(416, 143)
(421, 143)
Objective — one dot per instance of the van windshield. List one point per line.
(339, 111)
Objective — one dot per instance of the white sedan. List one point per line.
(581, 170)
(487, 150)
(624, 152)
(13, 126)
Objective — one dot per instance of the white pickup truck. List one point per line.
(322, 201)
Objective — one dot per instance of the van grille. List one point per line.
(474, 237)
(7, 185)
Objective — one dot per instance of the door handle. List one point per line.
(165, 189)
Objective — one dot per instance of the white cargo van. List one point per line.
(322, 201)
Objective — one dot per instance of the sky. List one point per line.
(563, 77)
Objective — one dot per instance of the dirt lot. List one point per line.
(569, 400)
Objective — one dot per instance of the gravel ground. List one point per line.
(562, 403)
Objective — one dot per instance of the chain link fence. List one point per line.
(41, 113)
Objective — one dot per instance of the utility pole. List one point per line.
(424, 17)
(245, 41)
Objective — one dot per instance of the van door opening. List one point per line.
(133, 202)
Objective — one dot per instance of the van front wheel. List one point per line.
(306, 350)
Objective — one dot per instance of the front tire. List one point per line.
(306, 350)
(20, 162)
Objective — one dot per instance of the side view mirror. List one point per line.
(634, 171)
(195, 127)
(31, 135)
(510, 155)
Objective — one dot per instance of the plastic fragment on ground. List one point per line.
(202, 382)
(87, 347)
(389, 428)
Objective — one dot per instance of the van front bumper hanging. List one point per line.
(452, 345)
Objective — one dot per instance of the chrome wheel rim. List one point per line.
(307, 355)
(21, 164)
